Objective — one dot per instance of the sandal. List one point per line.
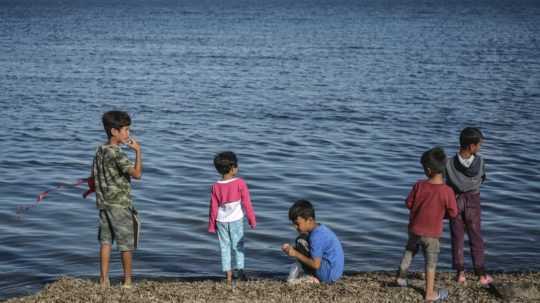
(485, 280)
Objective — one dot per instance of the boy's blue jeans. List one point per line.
(231, 243)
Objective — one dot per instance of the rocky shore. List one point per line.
(358, 287)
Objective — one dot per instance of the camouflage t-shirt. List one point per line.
(111, 175)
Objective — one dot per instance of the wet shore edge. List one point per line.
(353, 287)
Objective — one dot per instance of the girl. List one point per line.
(229, 201)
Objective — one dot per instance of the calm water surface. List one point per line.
(333, 102)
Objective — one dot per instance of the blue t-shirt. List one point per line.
(324, 244)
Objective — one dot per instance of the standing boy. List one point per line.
(429, 201)
(317, 248)
(465, 173)
(112, 172)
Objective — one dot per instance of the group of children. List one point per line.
(450, 191)
(456, 197)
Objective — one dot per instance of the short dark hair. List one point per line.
(115, 119)
(470, 135)
(434, 159)
(225, 161)
(303, 209)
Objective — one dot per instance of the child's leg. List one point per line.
(431, 249)
(126, 264)
(225, 248)
(473, 223)
(430, 285)
(411, 249)
(302, 246)
(105, 238)
(121, 220)
(405, 263)
(301, 273)
(304, 273)
(457, 234)
(237, 243)
(105, 255)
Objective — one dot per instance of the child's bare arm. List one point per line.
(136, 171)
(409, 202)
(314, 263)
(452, 208)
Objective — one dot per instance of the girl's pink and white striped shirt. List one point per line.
(228, 202)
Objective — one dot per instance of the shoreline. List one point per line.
(353, 287)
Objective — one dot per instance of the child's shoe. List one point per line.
(460, 279)
(485, 280)
(240, 275)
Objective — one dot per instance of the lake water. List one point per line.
(333, 101)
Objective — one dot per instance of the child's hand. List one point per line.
(288, 249)
(133, 144)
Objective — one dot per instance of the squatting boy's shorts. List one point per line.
(430, 248)
(116, 224)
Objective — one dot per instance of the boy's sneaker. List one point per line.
(485, 280)
(401, 282)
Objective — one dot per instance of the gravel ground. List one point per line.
(361, 287)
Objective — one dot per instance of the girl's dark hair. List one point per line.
(115, 119)
(434, 159)
(470, 135)
(303, 209)
(225, 161)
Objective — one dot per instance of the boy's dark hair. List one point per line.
(434, 159)
(225, 161)
(303, 209)
(115, 119)
(470, 135)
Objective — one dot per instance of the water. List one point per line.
(333, 102)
